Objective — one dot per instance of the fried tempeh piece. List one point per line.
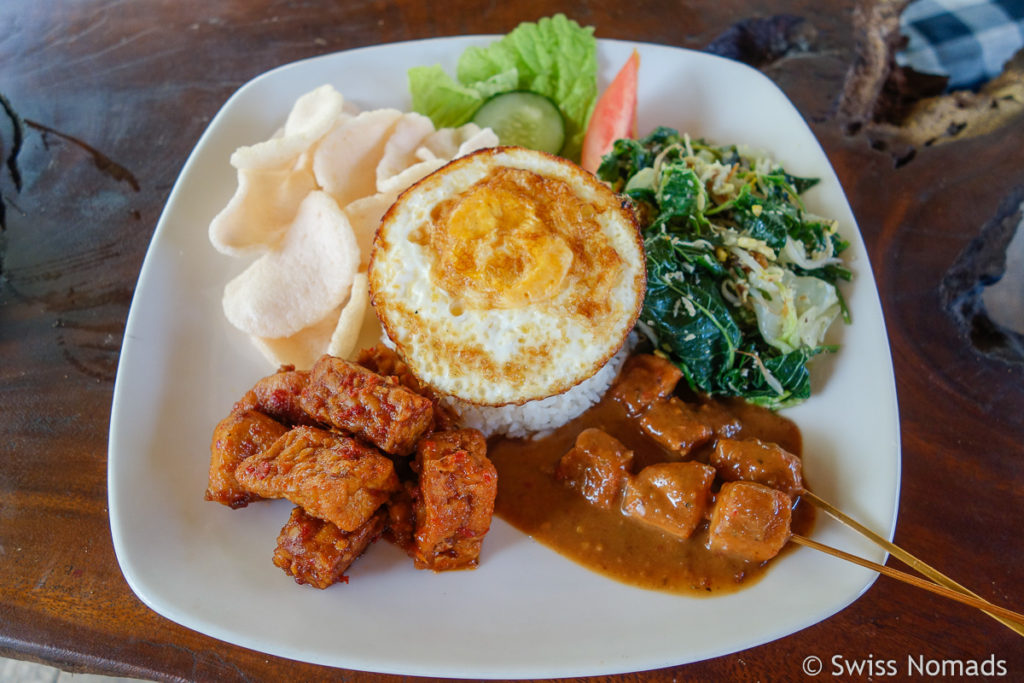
(755, 460)
(750, 521)
(401, 522)
(676, 426)
(385, 361)
(672, 496)
(331, 476)
(597, 466)
(351, 398)
(645, 378)
(455, 499)
(277, 395)
(317, 553)
(241, 434)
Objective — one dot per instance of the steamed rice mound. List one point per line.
(508, 278)
(541, 417)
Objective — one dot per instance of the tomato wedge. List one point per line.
(614, 115)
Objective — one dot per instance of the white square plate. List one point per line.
(526, 612)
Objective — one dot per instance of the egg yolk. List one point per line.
(516, 238)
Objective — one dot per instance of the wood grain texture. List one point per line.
(113, 96)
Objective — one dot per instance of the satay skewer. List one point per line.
(1007, 616)
(770, 465)
(1015, 624)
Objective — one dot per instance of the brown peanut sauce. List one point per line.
(609, 542)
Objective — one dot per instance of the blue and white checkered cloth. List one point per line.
(967, 40)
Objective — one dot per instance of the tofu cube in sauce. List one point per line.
(756, 460)
(671, 496)
(597, 467)
(722, 422)
(749, 521)
(676, 426)
(645, 378)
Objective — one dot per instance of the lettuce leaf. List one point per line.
(554, 57)
(438, 96)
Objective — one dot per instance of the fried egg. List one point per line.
(507, 276)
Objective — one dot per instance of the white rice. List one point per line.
(538, 418)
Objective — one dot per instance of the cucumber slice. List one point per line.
(523, 118)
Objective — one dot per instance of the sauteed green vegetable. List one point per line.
(741, 277)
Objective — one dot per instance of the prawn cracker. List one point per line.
(298, 283)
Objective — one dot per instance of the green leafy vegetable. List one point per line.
(740, 277)
(438, 96)
(554, 57)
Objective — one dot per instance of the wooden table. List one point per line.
(112, 97)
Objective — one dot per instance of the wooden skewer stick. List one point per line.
(945, 592)
(902, 555)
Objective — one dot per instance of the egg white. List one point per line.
(507, 355)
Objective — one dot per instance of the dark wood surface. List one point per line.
(113, 95)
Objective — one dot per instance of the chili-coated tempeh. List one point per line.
(349, 397)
